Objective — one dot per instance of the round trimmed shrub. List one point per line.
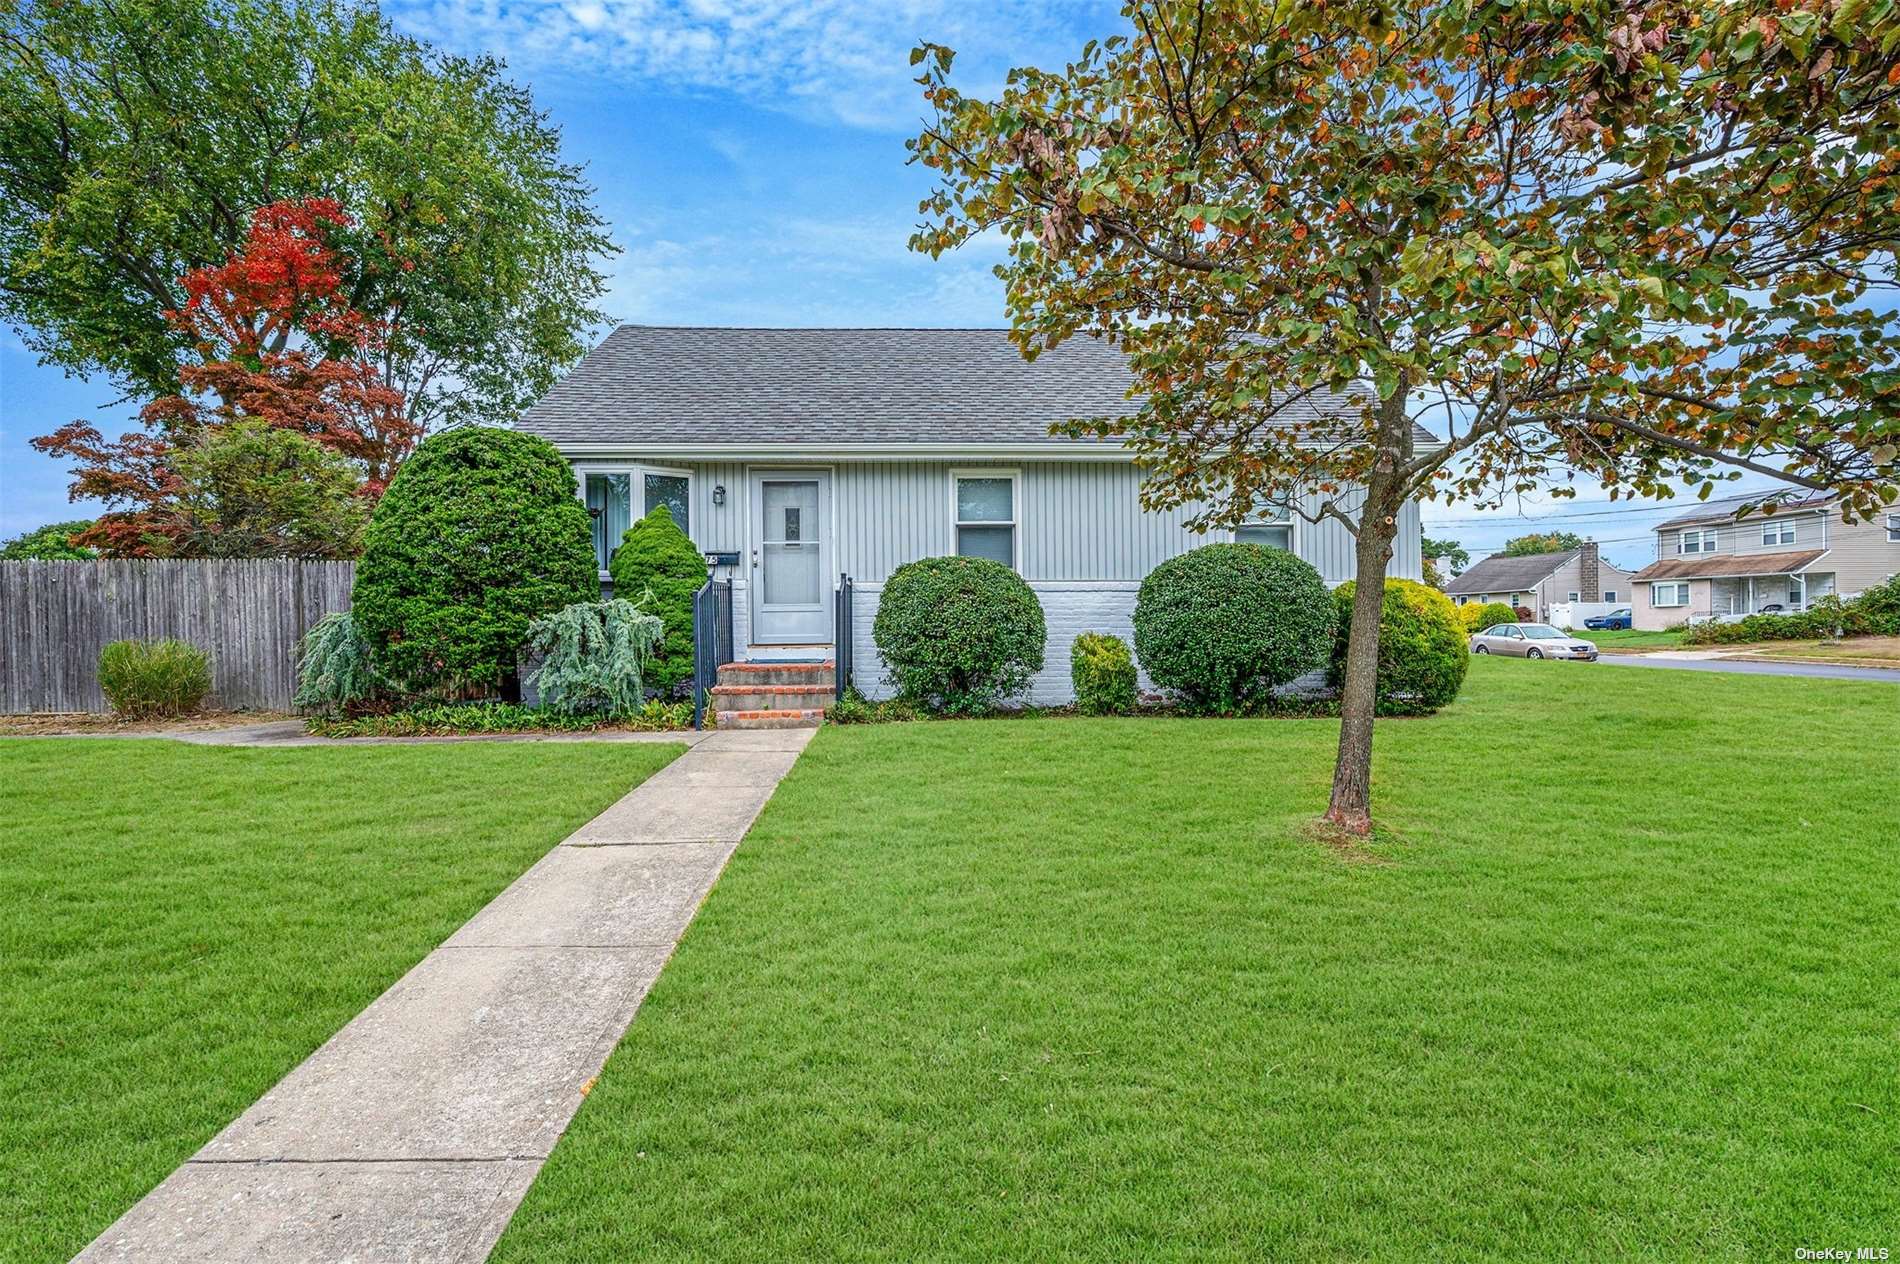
(1223, 625)
(1490, 614)
(1103, 672)
(480, 533)
(961, 635)
(656, 558)
(1423, 653)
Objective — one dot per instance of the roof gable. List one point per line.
(1499, 573)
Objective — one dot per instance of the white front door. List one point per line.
(791, 557)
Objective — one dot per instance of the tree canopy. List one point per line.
(50, 543)
(137, 139)
(1636, 244)
(1541, 542)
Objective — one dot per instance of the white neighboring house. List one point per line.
(1712, 562)
(795, 456)
(1540, 581)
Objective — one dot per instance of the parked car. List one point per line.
(1612, 621)
(1531, 640)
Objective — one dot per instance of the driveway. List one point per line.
(1692, 661)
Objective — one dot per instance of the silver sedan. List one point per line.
(1531, 640)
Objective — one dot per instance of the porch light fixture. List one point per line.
(719, 494)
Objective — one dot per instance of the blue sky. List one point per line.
(749, 155)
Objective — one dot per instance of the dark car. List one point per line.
(1608, 622)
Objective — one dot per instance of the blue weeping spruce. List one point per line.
(594, 655)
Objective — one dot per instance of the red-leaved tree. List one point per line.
(277, 340)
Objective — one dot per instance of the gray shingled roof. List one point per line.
(1724, 509)
(647, 385)
(1500, 574)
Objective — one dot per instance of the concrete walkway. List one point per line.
(414, 1133)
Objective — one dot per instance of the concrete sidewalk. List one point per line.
(413, 1134)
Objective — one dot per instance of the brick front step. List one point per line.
(762, 675)
(761, 697)
(768, 719)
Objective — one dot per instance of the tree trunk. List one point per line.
(1351, 806)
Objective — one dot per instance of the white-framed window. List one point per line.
(1609, 594)
(1696, 541)
(1893, 528)
(1777, 533)
(1576, 596)
(1669, 594)
(1271, 525)
(615, 496)
(986, 507)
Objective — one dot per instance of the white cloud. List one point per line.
(842, 60)
(801, 271)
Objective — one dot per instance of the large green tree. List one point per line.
(138, 136)
(1627, 242)
(1541, 542)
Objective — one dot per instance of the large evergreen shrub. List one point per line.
(1222, 625)
(480, 532)
(1476, 618)
(1423, 653)
(960, 635)
(655, 557)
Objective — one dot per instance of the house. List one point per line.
(793, 457)
(1714, 561)
(1542, 580)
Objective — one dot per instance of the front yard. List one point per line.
(1621, 981)
(185, 924)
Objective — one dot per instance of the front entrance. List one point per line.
(791, 557)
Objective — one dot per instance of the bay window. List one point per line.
(616, 497)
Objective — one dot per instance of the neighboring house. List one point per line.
(1713, 562)
(1539, 581)
(795, 456)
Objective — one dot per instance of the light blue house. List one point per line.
(796, 456)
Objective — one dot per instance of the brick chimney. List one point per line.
(1590, 583)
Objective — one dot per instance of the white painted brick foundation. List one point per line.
(1069, 608)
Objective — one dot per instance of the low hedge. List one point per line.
(960, 635)
(1876, 612)
(1223, 625)
(1103, 672)
(1423, 653)
(454, 719)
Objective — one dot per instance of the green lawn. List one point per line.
(184, 924)
(1613, 639)
(1626, 986)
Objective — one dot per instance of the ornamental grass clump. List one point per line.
(592, 657)
(143, 679)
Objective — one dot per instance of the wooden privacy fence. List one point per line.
(250, 616)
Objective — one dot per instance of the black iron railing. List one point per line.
(712, 641)
(841, 635)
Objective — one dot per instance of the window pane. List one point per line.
(1280, 537)
(609, 504)
(996, 543)
(669, 490)
(985, 500)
